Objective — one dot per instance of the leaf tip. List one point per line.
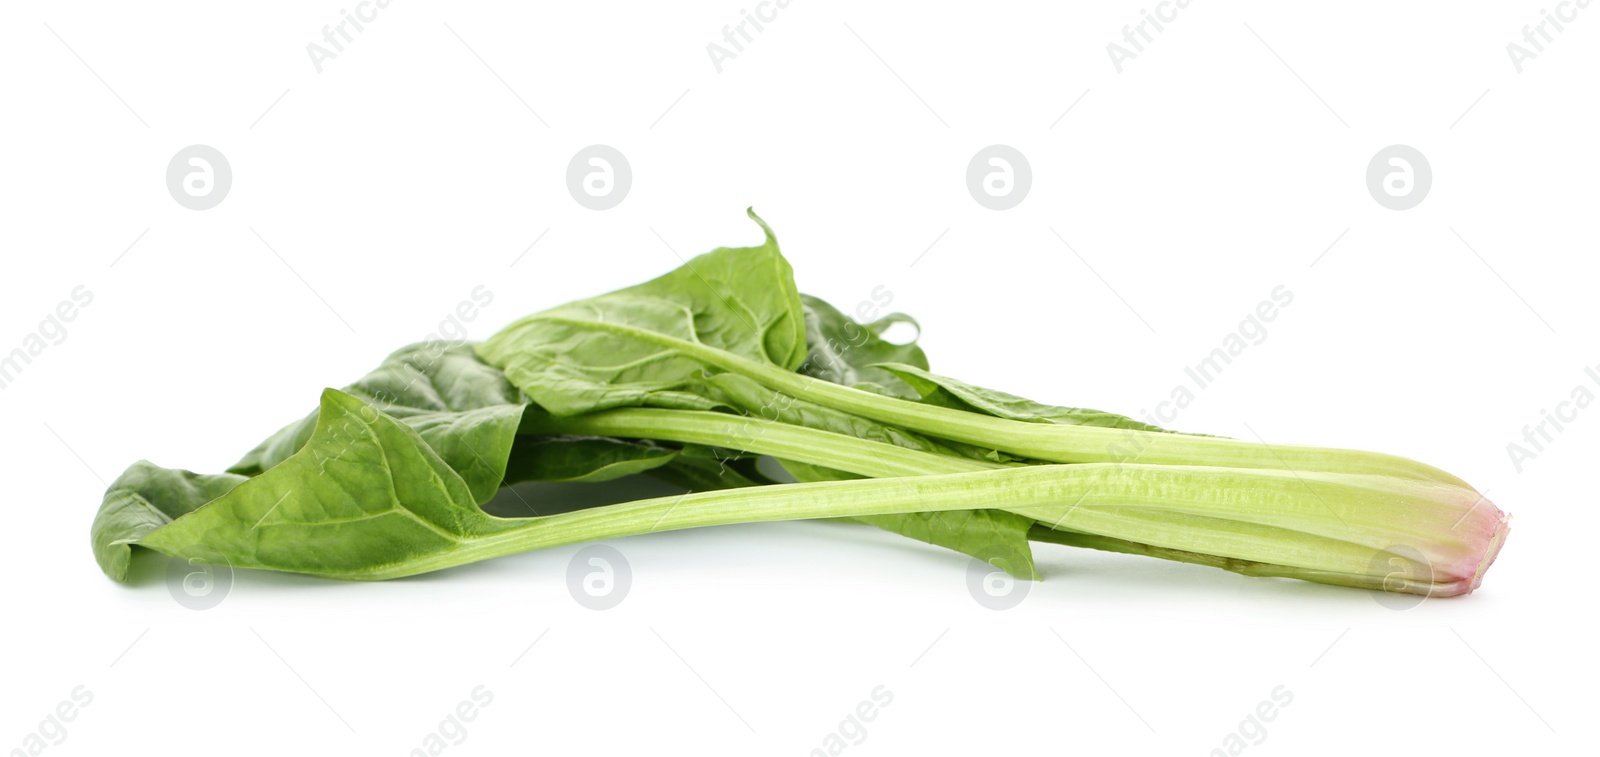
(751, 211)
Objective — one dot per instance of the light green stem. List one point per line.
(1088, 497)
(758, 436)
(1042, 441)
(1376, 582)
(1317, 527)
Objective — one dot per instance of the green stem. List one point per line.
(1318, 527)
(1121, 502)
(759, 436)
(1146, 509)
(1042, 441)
(1242, 567)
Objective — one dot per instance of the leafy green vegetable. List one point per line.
(367, 498)
(691, 377)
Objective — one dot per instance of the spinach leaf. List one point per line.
(598, 353)
(997, 537)
(364, 493)
(144, 498)
(959, 395)
(700, 468)
(465, 409)
(583, 459)
(703, 474)
(845, 352)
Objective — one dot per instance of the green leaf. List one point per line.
(994, 536)
(808, 472)
(845, 352)
(959, 395)
(464, 408)
(144, 498)
(583, 459)
(364, 493)
(702, 469)
(589, 355)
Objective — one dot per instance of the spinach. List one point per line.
(367, 498)
(693, 377)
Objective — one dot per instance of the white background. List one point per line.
(409, 171)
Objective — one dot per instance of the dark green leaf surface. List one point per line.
(994, 536)
(583, 459)
(583, 356)
(845, 352)
(952, 393)
(697, 473)
(364, 493)
(144, 498)
(465, 409)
